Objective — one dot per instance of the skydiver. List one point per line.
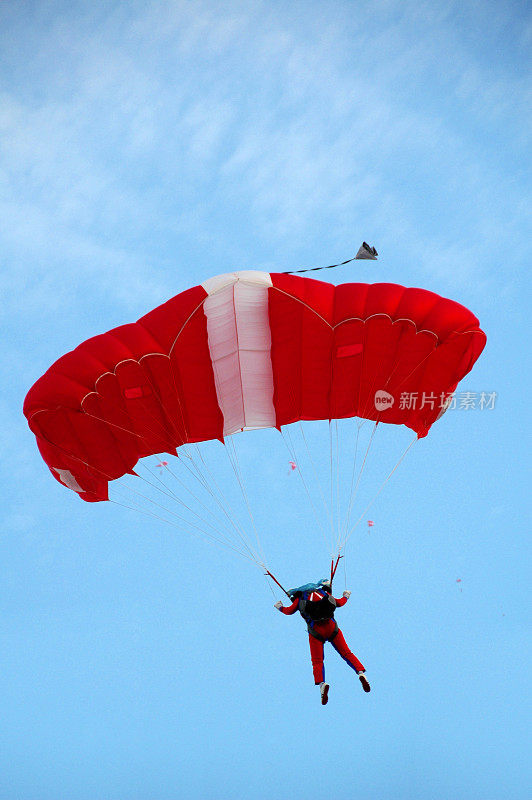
(317, 605)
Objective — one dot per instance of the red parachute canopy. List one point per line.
(247, 350)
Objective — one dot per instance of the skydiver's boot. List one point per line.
(364, 681)
(324, 691)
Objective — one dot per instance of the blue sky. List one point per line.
(143, 148)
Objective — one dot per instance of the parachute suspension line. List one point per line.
(171, 495)
(216, 528)
(140, 461)
(346, 527)
(335, 480)
(194, 470)
(198, 476)
(287, 438)
(248, 504)
(270, 587)
(353, 494)
(205, 485)
(316, 476)
(291, 447)
(251, 556)
(345, 572)
(236, 469)
(142, 511)
(125, 487)
(167, 510)
(269, 575)
(228, 512)
(353, 491)
(168, 493)
(109, 478)
(337, 477)
(348, 532)
(381, 487)
(268, 584)
(292, 452)
(139, 510)
(186, 488)
(331, 484)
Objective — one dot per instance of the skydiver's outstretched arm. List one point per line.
(288, 609)
(341, 601)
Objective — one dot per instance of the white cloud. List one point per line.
(173, 124)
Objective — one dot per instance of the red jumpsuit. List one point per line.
(326, 630)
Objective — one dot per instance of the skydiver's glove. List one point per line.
(278, 605)
(346, 594)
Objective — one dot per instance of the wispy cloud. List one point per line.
(148, 127)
